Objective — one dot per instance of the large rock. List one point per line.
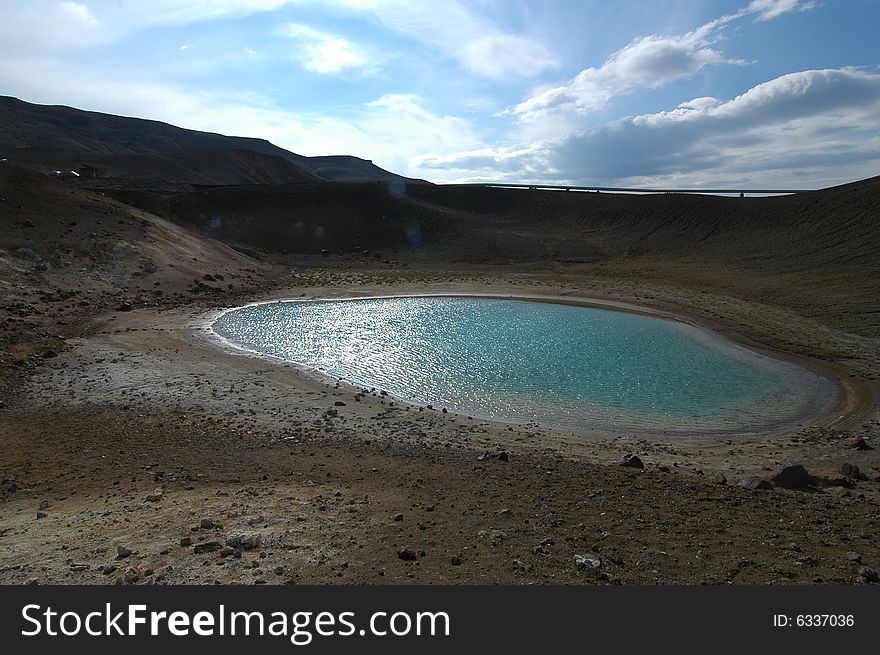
(407, 554)
(244, 540)
(587, 562)
(793, 476)
(631, 461)
(858, 443)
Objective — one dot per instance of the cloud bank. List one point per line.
(801, 122)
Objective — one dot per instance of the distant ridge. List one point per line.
(45, 137)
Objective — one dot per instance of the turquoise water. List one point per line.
(578, 368)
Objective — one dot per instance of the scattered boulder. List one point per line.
(132, 575)
(156, 496)
(497, 455)
(124, 307)
(631, 461)
(587, 562)
(407, 554)
(754, 482)
(497, 536)
(123, 551)
(851, 471)
(207, 547)
(244, 540)
(793, 476)
(857, 443)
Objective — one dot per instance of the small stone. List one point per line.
(587, 562)
(867, 574)
(854, 557)
(397, 517)
(497, 536)
(208, 524)
(207, 547)
(156, 496)
(339, 403)
(754, 482)
(124, 307)
(186, 541)
(631, 461)
(455, 560)
(496, 455)
(123, 551)
(244, 540)
(407, 554)
(41, 515)
(132, 575)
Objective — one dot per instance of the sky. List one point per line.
(679, 93)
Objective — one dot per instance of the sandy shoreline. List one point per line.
(191, 330)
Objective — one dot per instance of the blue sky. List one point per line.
(769, 93)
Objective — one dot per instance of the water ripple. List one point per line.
(580, 368)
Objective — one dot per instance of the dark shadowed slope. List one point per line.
(809, 250)
(56, 236)
(46, 137)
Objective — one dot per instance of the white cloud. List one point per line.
(322, 52)
(769, 9)
(472, 39)
(647, 62)
(77, 12)
(820, 126)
